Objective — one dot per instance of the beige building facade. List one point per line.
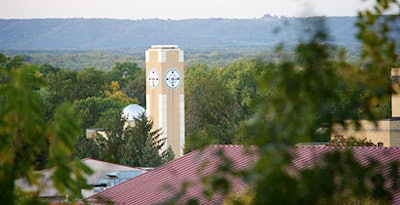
(395, 77)
(386, 131)
(165, 93)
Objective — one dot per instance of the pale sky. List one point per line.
(176, 9)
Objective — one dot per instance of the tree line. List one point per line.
(99, 97)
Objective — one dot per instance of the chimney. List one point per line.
(395, 77)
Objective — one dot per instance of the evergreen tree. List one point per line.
(143, 145)
(86, 148)
(150, 155)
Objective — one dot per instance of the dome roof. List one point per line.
(132, 111)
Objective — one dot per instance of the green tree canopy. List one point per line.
(210, 110)
(124, 73)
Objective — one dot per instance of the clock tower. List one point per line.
(164, 94)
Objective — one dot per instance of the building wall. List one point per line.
(376, 133)
(395, 132)
(386, 131)
(395, 77)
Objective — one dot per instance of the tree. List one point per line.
(24, 134)
(62, 87)
(136, 89)
(7, 64)
(309, 92)
(208, 121)
(150, 155)
(340, 140)
(124, 72)
(116, 94)
(110, 147)
(46, 69)
(135, 144)
(73, 86)
(240, 80)
(93, 81)
(86, 148)
(91, 109)
(144, 145)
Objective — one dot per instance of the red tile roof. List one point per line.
(167, 180)
(307, 156)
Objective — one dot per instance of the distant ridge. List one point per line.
(89, 34)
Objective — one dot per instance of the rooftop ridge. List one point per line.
(122, 165)
(344, 147)
(225, 145)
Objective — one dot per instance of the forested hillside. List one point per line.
(105, 59)
(89, 34)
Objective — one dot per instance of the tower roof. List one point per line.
(164, 46)
(132, 111)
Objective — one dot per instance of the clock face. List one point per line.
(153, 79)
(173, 78)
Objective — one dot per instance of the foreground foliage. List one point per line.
(301, 98)
(313, 91)
(25, 136)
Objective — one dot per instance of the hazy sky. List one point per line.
(176, 9)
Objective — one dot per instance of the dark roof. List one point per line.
(167, 181)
